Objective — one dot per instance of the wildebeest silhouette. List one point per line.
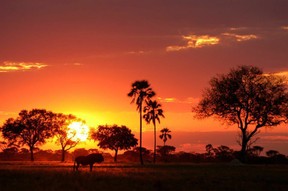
(89, 159)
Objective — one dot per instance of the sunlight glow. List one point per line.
(200, 41)
(188, 100)
(283, 74)
(285, 28)
(240, 38)
(170, 99)
(194, 41)
(20, 66)
(78, 131)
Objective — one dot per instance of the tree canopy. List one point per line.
(248, 98)
(165, 135)
(66, 141)
(114, 138)
(30, 128)
(140, 91)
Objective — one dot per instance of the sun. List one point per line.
(78, 131)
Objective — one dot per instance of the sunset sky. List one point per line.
(81, 57)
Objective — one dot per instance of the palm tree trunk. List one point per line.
(154, 159)
(140, 148)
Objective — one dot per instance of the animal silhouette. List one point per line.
(88, 160)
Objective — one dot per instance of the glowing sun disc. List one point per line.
(78, 131)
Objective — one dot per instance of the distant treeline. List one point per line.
(23, 154)
(164, 154)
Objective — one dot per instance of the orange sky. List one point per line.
(80, 57)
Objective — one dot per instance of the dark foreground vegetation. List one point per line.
(165, 154)
(131, 176)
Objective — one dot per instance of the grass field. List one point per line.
(105, 177)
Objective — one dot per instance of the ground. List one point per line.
(109, 176)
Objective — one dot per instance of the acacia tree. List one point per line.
(248, 98)
(30, 128)
(140, 92)
(114, 138)
(67, 141)
(153, 112)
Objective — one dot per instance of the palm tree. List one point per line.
(165, 135)
(140, 92)
(153, 112)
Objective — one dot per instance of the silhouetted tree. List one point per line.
(30, 128)
(276, 157)
(272, 153)
(248, 98)
(166, 150)
(184, 156)
(23, 154)
(223, 153)
(63, 138)
(3, 145)
(165, 135)
(10, 153)
(115, 138)
(133, 155)
(210, 151)
(145, 151)
(153, 112)
(24, 151)
(44, 155)
(256, 150)
(11, 150)
(140, 92)
(252, 141)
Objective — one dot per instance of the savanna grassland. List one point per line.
(107, 176)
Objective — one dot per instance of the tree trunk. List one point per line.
(115, 156)
(154, 159)
(140, 146)
(243, 147)
(63, 155)
(31, 154)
